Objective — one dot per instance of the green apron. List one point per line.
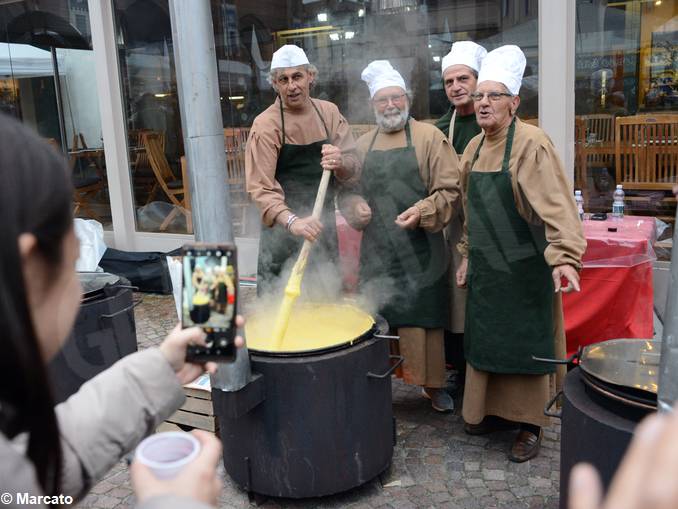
(509, 309)
(464, 129)
(404, 269)
(298, 172)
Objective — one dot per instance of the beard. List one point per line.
(393, 119)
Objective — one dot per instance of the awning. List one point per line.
(26, 61)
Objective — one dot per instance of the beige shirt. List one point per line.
(301, 128)
(542, 192)
(438, 167)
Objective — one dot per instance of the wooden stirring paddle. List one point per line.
(293, 288)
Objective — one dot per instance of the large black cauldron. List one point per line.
(310, 425)
(595, 429)
(613, 388)
(103, 333)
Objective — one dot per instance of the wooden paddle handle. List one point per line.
(322, 192)
(293, 288)
(317, 211)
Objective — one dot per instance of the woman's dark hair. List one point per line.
(35, 197)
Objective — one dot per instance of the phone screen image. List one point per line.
(209, 290)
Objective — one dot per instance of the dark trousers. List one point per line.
(454, 351)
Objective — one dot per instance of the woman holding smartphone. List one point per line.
(63, 450)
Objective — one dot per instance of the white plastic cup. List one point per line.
(167, 453)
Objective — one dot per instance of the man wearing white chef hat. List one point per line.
(289, 145)
(409, 191)
(524, 237)
(460, 68)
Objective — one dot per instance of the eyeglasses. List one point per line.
(492, 96)
(383, 101)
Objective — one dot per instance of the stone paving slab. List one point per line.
(435, 464)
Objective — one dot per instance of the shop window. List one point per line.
(39, 41)
(148, 78)
(340, 38)
(626, 105)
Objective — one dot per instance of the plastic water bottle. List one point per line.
(580, 203)
(618, 203)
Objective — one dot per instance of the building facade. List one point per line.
(97, 78)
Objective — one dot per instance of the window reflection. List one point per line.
(39, 41)
(626, 102)
(153, 123)
(340, 39)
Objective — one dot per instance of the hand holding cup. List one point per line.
(178, 464)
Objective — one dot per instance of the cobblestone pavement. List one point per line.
(435, 464)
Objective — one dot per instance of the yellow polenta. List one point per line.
(311, 327)
(200, 299)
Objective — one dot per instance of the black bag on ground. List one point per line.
(146, 270)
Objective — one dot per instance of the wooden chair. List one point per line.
(235, 141)
(85, 192)
(646, 151)
(139, 159)
(142, 175)
(87, 185)
(165, 180)
(600, 126)
(81, 152)
(580, 158)
(594, 144)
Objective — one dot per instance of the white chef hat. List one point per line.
(288, 56)
(506, 65)
(466, 53)
(381, 74)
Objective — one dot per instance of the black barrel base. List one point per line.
(324, 426)
(593, 431)
(104, 332)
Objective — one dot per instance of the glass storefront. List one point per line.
(339, 38)
(39, 41)
(152, 110)
(626, 107)
(342, 38)
(625, 86)
(158, 169)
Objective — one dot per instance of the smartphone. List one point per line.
(209, 299)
